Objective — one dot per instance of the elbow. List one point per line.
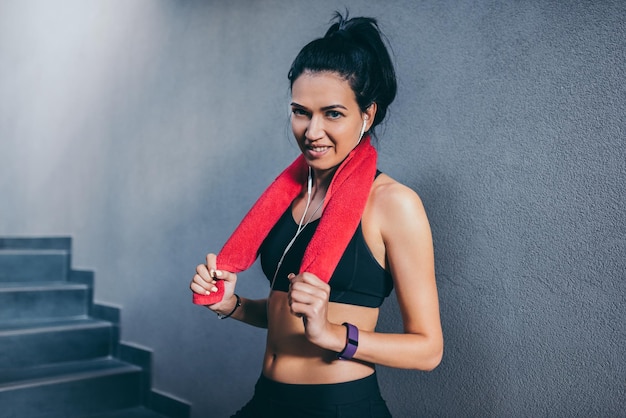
(433, 361)
(427, 362)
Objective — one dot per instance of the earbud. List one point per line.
(363, 129)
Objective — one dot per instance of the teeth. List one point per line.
(318, 149)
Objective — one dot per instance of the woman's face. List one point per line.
(325, 118)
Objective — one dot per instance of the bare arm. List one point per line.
(398, 213)
(252, 311)
(407, 237)
(409, 249)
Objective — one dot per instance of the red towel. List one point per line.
(343, 207)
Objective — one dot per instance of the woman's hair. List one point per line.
(354, 49)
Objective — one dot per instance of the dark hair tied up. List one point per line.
(354, 49)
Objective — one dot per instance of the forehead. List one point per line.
(313, 89)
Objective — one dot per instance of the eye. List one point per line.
(333, 114)
(299, 112)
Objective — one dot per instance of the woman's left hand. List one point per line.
(308, 299)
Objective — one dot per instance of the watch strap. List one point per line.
(352, 342)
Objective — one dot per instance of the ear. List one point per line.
(370, 114)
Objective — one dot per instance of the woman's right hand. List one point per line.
(203, 282)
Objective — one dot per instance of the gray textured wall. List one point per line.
(145, 129)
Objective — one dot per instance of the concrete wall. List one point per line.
(144, 129)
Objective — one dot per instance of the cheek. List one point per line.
(298, 127)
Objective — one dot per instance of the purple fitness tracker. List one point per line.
(352, 342)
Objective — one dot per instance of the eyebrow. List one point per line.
(334, 106)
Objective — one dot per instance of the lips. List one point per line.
(317, 150)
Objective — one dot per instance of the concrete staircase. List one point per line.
(60, 354)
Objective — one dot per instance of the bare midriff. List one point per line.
(291, 358)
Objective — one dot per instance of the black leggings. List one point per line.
(356, 399)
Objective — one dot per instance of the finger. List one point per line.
(319, 290)
(202, 278)
(204, 273)
(211, 263)
(297, 309)
(196, 288)
(297, 279)
(307, 297)
(311, 279)
(306, 293)
(201, 286)
(200, 281)
(301, 310)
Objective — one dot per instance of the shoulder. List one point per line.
(397, 209)
(392, 198)
(395, 225)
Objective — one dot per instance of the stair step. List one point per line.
(31, 300)
(36, 243)
(57, 347)
(139, 412)
(34, 265)
(52, 373)
(70, 389)
(33, 343)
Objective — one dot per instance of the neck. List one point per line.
(322, 179)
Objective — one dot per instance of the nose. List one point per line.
(315, 129)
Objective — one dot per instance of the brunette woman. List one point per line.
(322, 346)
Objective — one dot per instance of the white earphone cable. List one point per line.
(301, 225)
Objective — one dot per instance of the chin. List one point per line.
(323, 166)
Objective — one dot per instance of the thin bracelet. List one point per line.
(237, 305)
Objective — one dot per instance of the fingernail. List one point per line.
(218, 273)
(214, 289)
(212, 273)
(291, 276)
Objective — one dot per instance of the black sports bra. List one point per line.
(357, 280)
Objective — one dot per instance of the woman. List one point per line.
(321, 341)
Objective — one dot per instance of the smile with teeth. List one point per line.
(318, 149)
